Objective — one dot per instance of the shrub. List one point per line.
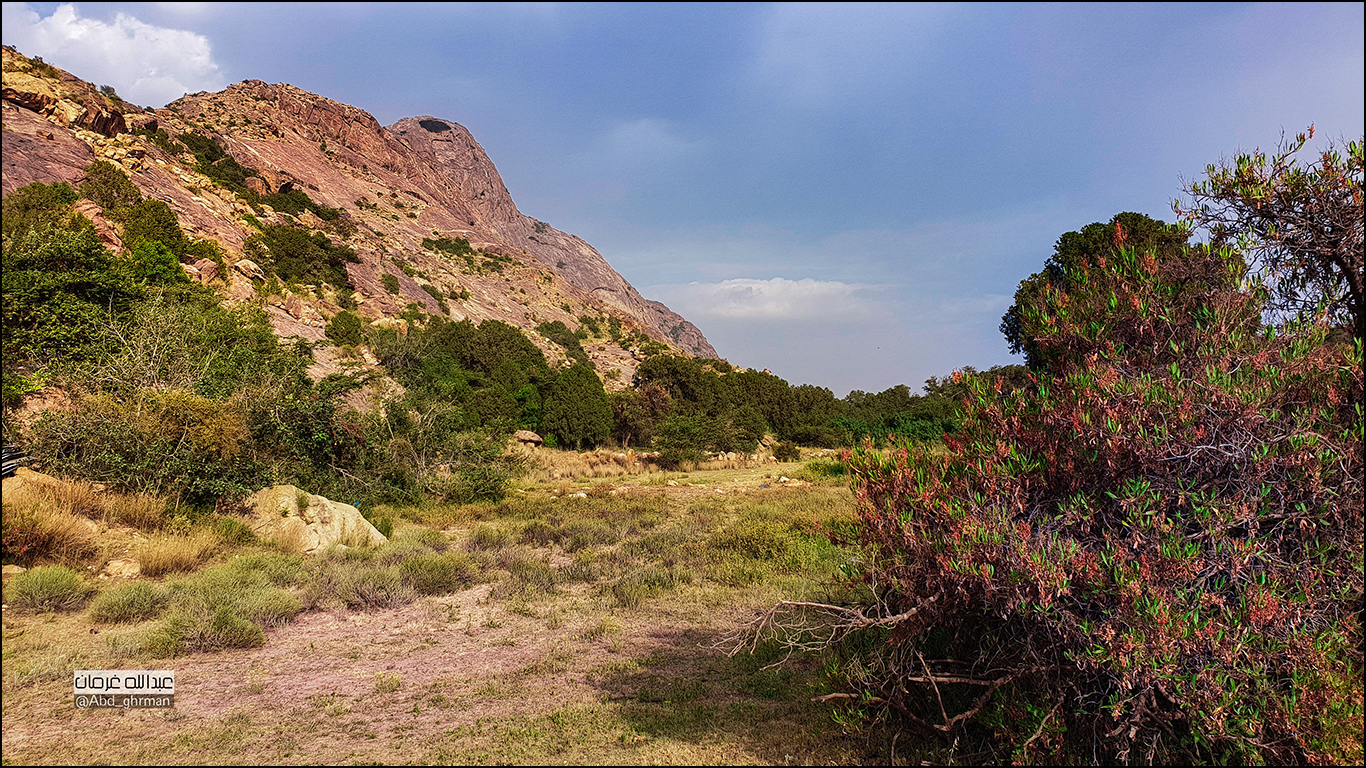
(438, 574)
(297, 256)
(48, 588)
(224, 607)
(1158, 548)
(487, 537)
(151, 221)
(36, 204)
(60, 287)
(369, 588)
(152, 263)
(127, 603)
(110, 188)
(787, 451)
(345, 328)
(390, 283)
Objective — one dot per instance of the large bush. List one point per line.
(1154, 554)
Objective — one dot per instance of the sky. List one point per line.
(845, 194)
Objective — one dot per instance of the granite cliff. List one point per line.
(398, 189)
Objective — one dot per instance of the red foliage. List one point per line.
(1164, 536)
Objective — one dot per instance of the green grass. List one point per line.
(137, 601)
(48, 588)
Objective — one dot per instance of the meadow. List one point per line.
(547, 627)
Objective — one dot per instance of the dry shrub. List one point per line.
(549, 464)
(176, 554)
(1156, 551)
(45, 521)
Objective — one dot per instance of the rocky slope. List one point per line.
(420, 178)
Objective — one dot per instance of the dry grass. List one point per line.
(50, 521)
(176, 554)
(146, 513)
(549, 465)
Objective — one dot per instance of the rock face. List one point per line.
(309, 523)
(451, 149)
(398, 189)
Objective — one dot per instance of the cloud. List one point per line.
(146, 64)
(774, 299)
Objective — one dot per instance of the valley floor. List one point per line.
(571, 675)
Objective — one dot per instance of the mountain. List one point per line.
(406, 198)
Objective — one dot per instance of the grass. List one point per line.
(48, 588)
(176, 553)
(600, 604)
(127, 603)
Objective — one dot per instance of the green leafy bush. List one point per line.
(60, 286)
(390, 283)
(345, 328)
(110, 188)
(296, 256)
(154, 221)
(1156, 550)
(37, 204)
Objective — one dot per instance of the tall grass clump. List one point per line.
(227, 606)
(128, 603)
(48, 588)
(176, 553)
(1153, 553)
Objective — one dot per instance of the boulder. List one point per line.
(258, 186)
(311, 221)
(308, 522)
(208, 270)
(294, 306)
(527, 436)
(140, 121)
(250, 269)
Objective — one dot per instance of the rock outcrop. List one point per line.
(308, 523)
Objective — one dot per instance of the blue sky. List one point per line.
(846, 194)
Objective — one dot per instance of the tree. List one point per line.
(1303, 224)
(1074, 249)
(576, 409)
(1155, 553)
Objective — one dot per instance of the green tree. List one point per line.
(345, 328)
(1301, 224)
(153, 263)
(1074, 250)
(576, 408)
(154, 221)
(110, 188)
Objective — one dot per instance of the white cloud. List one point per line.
(145, 64)
(774, 299)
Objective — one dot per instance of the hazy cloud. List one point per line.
(774, 299)
(145, 63)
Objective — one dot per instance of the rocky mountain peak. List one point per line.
(398, 190)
